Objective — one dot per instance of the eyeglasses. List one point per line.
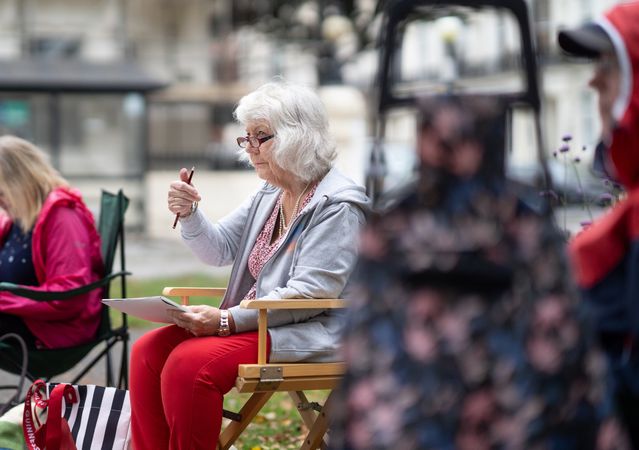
(253, 141)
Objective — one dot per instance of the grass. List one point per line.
(278, 426)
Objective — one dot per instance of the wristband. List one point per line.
(224, 329)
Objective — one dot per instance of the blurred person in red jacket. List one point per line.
(48, 242)
(605, 256)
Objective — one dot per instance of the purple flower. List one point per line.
(567, 137)
(564, 148)
(612, 184)
(552, 194)
(606, 197)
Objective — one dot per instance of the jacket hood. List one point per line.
(335, 187)
(69, 197)
(621, 23)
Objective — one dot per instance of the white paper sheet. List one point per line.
(148, 308)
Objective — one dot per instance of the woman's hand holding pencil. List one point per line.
(183, 195)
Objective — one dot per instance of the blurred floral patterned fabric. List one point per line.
(465, 332)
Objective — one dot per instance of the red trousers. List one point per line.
(177, 386)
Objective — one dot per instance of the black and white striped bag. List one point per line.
(98, 417)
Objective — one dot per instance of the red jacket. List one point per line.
(66, 255)
(605, 256)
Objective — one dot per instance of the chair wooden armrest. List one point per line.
(264, 305)
(294, 303)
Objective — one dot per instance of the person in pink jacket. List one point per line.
(49, 242)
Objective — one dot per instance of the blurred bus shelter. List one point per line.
(90, 117)
(82, 80)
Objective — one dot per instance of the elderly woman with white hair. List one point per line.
(296, 237)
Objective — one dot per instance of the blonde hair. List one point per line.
(26, 179)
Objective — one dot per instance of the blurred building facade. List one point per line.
(129, 91)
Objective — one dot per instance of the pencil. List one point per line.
(177, 216)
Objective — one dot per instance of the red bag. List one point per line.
(55, 433)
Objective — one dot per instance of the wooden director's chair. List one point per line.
(264, 379)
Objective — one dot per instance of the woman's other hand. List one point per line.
(201, 320)
(182, 195)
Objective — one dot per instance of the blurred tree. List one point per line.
(335, 30)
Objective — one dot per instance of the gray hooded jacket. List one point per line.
(315, 261)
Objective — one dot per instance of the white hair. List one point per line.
(302, 144)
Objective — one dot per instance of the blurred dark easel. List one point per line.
(396, 13)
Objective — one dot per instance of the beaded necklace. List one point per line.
(283, 227)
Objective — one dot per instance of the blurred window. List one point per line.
(54, 47)
(101, 138)
(546, 33)
(185, 133)
(27, 116)
(99, 135)
(460, 50)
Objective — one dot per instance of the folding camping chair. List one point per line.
(263, 379)
(47, 363)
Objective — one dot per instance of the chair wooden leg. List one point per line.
(315, 436)
(250, 409)
(309, 417)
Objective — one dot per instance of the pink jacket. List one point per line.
(66, 255)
